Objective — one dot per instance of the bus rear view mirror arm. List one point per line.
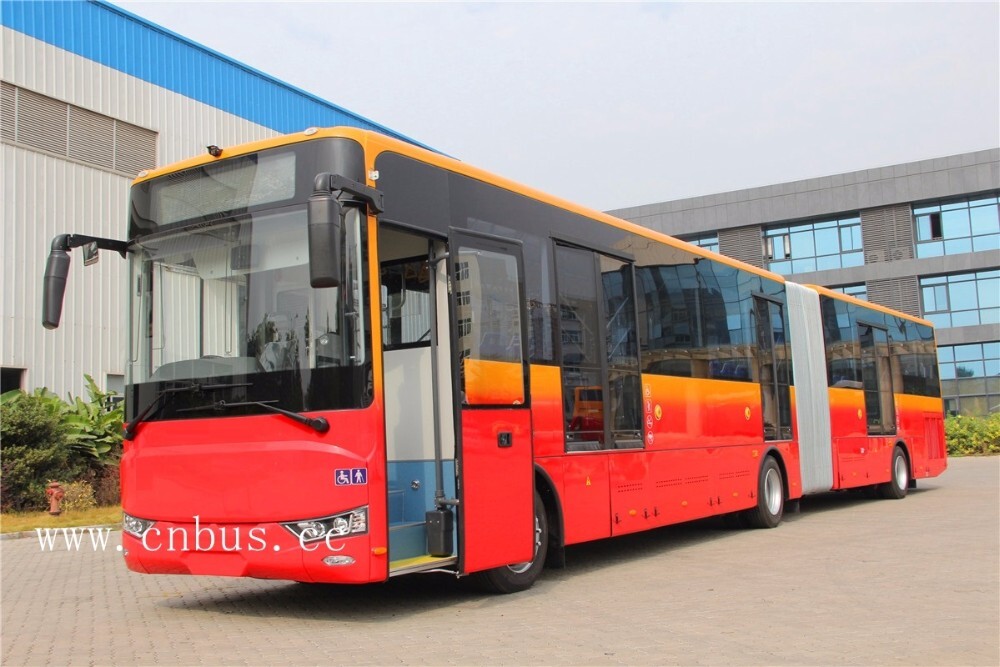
(57, 269)
(326, 215)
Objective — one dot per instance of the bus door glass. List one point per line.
(495, 478)
(876, 376)
(600, 355)
(581, 344)
(773, 372)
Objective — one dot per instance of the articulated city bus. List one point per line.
(350, 358)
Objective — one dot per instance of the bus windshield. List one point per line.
(229, 304)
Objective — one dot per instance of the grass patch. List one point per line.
(99, 516)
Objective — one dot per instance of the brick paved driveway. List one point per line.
(847, 581)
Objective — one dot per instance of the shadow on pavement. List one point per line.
(414, 594)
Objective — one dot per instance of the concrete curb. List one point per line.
(31, 533)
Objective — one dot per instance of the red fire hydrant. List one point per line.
(56, 494)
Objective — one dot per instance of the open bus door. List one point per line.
(493, 421)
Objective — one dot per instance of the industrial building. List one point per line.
(922, 237)
(91, 95)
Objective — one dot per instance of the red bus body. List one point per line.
(216, 494)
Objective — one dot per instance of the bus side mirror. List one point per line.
(57, 270)
(54, 282)
(324, 214)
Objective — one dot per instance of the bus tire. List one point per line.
(520, 576)
(770, 497)
(899, 477)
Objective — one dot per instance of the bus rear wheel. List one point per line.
(770, 497)
(520, 576)
(899, 480)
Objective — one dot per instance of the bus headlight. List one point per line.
(135, 526)
(338, 525)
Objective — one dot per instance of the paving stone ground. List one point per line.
(849, 581)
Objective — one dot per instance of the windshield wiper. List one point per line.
(158, 401)
(318, 424)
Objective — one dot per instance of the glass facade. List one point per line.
(859, 291)
(966, 225)
(962, 299)
(970, 374)
(814, 246)
(970, 378)
(945, 227)
(706, 241)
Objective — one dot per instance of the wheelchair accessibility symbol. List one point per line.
(351, 476)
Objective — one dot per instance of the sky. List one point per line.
(614, 105)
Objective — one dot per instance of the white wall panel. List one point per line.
(44, 195)
(185, 126)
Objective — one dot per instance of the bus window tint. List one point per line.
(695, 317)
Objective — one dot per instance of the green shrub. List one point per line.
(46, 438)
(93, 430)
(107, 486)
(34, 450)
(972, 436)
(79, 496)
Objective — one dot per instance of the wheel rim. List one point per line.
(900, 472)
(521, 568)
(773, 491)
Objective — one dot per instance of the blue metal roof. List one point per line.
(123, 41)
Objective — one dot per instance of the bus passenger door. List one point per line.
(490, 375)
(772, 369)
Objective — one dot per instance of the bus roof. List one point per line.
(825, 291)
(380, 143)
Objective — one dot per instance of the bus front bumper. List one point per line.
(263, 551)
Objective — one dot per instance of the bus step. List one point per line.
(419, 564)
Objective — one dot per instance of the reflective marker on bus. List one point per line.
(350, 358)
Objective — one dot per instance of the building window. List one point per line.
(859, 291)
(962, 299)
(967, 225)
(814, 246)
(572, 337)
(464, 327)
(114, 384)
(709, 242)
(11, 379)
(970, 378)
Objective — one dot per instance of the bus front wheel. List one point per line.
(520, 576)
